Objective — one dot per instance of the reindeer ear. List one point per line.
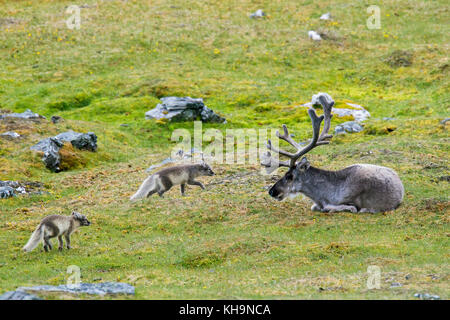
(303, 164)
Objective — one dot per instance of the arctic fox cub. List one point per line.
(56, 226)
(163, 180)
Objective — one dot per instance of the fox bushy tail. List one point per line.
(35, 239)
(146, 186)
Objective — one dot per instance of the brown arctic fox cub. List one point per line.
(56, 226)
(163, 180)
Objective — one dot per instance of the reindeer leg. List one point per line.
(338, 208)
(367, 210)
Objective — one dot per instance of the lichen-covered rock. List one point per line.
(50, 149)
(82, 141)
(89, 288)
(27, 115)
(183, 109)
(18, 295)
(350, 127)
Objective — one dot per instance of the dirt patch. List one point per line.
(399, 58)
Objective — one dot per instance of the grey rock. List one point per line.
(183, 109)
(50, 147)
(6, 192)
(427, 296)
(10, 135)
(82, 141)
(388, 118)
(18, 295)
(323, 99)
(89, 288)
(357, 112)
(349, 126)
(27, 115)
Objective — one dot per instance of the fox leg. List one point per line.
(196, 183)
(61, 243)
(67, 237)
(47, 245)
(182, 187)
(150, 193)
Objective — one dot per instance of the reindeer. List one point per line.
(357, 188)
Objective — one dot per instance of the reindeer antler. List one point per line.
(318, 139)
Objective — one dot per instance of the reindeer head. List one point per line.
(293, 182)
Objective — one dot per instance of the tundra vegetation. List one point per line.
(231, 240)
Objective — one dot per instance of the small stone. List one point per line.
(350, 127)
(325, 16)
(313, 35)
(10, 135)
(258, 14)
(56, 119)
(396, 284)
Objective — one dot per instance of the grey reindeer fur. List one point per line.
(357, 188)
(161, 181)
